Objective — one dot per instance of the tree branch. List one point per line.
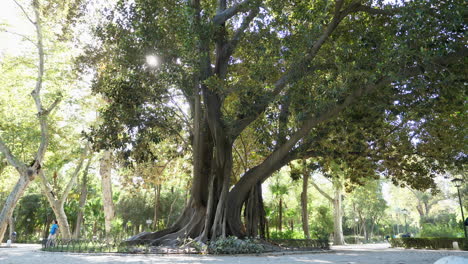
(231, 46)
(21, 35)
(321, 191)
(36, 92)
(52, 106)
(296, 71)
(24, 12)
(376, 11)
(243, 6)
(12, 160)
(48, 191)
(74, 175)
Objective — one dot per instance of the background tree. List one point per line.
(57, 199)
(106, 182)
(28, 171)
(368, 205)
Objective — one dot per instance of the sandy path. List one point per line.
(365, 254)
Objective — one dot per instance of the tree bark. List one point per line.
(338, 238)
(11, 227)
(11, 202)
(255, 217)
(106, 183)
(304, 201)
(82, 203)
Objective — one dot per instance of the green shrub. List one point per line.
(428, 242)
(439, 230)
(288, 234)
(233, 245)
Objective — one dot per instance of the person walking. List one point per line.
(53, 233)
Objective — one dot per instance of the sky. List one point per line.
(13, 19)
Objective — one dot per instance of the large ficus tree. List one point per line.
(297, 66)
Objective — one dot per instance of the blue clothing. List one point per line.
(53, 229)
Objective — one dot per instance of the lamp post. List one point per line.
(405, 213)
(458, 183)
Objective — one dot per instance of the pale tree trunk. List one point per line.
(28, 173)
(305, 211)
(82, 203)
(56, 202)
(106, 183)
(64, 227)
(338, 238)
(10, 203)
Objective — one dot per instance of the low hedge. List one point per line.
(429, 242)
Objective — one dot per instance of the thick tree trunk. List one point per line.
(338, 238)
(11, 202)
(305, 211)
(106, 183)
(64, 227)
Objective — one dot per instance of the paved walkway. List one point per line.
(352, 254)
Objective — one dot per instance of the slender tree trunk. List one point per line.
(305, 211)
(106, 183)
(338, 238)
(267, 228)
(82, 203)
(169, 214)
(46, 223)
(364, 230)
(157, 202)
(280, 215)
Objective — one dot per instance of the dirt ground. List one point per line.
(351, 254)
